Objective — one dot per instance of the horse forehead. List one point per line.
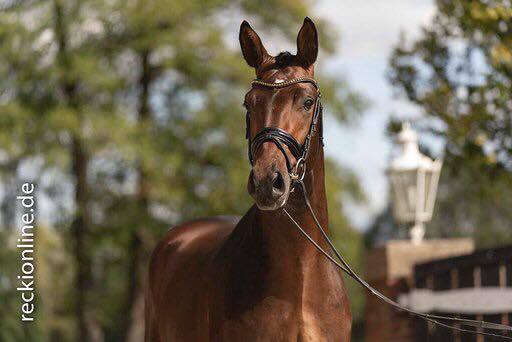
(274, 100)
(278, 99)
(284, 74)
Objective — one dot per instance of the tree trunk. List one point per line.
(134, 324)
(87, 329)
(79, 231)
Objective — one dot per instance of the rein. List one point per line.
(297, 172)
(345, 267)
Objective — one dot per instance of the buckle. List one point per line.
(299, 170)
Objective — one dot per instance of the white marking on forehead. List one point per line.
(279, 80)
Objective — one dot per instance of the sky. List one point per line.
(368, 30)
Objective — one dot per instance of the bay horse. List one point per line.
(256, 278)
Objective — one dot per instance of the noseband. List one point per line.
(281, 138)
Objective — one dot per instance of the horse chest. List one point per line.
(275, 320)
(315, 316)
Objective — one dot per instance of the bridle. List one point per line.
(281, 138)
(300, 152)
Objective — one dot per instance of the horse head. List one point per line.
(287, 109)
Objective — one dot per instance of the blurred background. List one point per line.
(127, 116)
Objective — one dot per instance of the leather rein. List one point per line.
(281, 138)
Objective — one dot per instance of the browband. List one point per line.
(285, 83)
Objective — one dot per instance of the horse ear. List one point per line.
(307, 43)
(252, 48)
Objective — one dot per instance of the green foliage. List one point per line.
(460, 73)
(342, 185)
(12, 328)
(72, 70)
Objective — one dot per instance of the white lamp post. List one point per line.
(413, 179)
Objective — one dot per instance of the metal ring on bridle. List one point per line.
(295, 175)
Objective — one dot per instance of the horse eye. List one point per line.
(308, 103)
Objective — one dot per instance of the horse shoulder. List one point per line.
(179, 265)
(189, 242)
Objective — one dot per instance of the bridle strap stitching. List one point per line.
(312, 128)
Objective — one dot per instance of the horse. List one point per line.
(256, 278)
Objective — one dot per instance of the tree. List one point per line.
(459, 72)
(56, 92)
(134, 111)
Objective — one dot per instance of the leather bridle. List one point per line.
(281, 138)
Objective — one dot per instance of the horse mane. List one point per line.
(284, 59)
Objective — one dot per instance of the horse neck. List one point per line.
(266, 252)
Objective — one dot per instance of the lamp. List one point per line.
(413, 179)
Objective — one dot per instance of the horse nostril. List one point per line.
(278, 184)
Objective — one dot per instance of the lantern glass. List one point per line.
(413, 193)
(404, 192)
(431, 182)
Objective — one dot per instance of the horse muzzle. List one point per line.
(271, 189)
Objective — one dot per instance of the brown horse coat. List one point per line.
(255, 278)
